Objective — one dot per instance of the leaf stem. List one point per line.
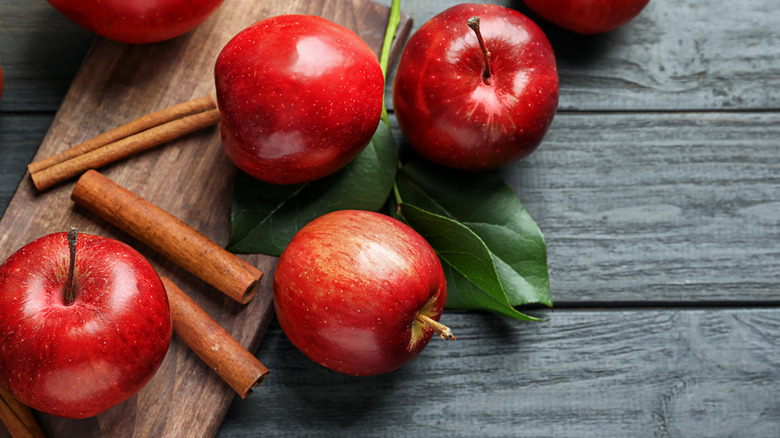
(397, 195)
(384, 59)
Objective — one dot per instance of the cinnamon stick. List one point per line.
(213, 344)
(151, 120)
(99, 157)
(167, 235)
(18, 418)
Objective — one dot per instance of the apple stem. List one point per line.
(70, 294)
(488, 73)
(443, 331)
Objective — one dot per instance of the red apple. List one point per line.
(137, 21)
(299, 98)
(75, 349)
(587, 16)
(355, 291)
(476, 93)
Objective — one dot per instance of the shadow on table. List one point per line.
(301, 396)
(572, 48)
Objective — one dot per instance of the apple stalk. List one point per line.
(442, 330)
(70, 289)
(487, 75)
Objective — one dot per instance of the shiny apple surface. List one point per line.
(349, 286)
(299, 98)
(456, 114)
(80, 358)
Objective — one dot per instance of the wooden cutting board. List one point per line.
(190, 178)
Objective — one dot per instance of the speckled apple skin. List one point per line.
(588, 16)
(445, 108)
(299, 97)
(137, 21)
(81, 359)
(348, 287)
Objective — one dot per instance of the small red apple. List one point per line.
(299, 97)
(587, 16)
(83, 329)
(358, 292)
(476, 87)
(137, 21)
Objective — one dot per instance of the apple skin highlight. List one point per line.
(348, 289)
(77, 360)
(451, 113)
(299, 97)
(587, 16)
(137, 22)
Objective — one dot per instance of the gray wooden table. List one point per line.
(658, 190)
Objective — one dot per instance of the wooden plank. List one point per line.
(639, 208)
(40, 52)
(611, 373)
(19, 139)
(43, 50)
(658, 208)
(191, 178)
(673, 56)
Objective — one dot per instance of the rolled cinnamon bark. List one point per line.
(18, 418)
(157, 118)
(213, 344)
(111, 152)
(167, 235)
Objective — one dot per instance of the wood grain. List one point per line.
(675, 55)
(646, 208)
(693, 55)
(606, 373)
(40, 54)
(659, 215)
(652, 208)
(19, 137)
(190, 178)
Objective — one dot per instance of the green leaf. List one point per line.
(266, 216)
(473, 282)
(495, 251)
